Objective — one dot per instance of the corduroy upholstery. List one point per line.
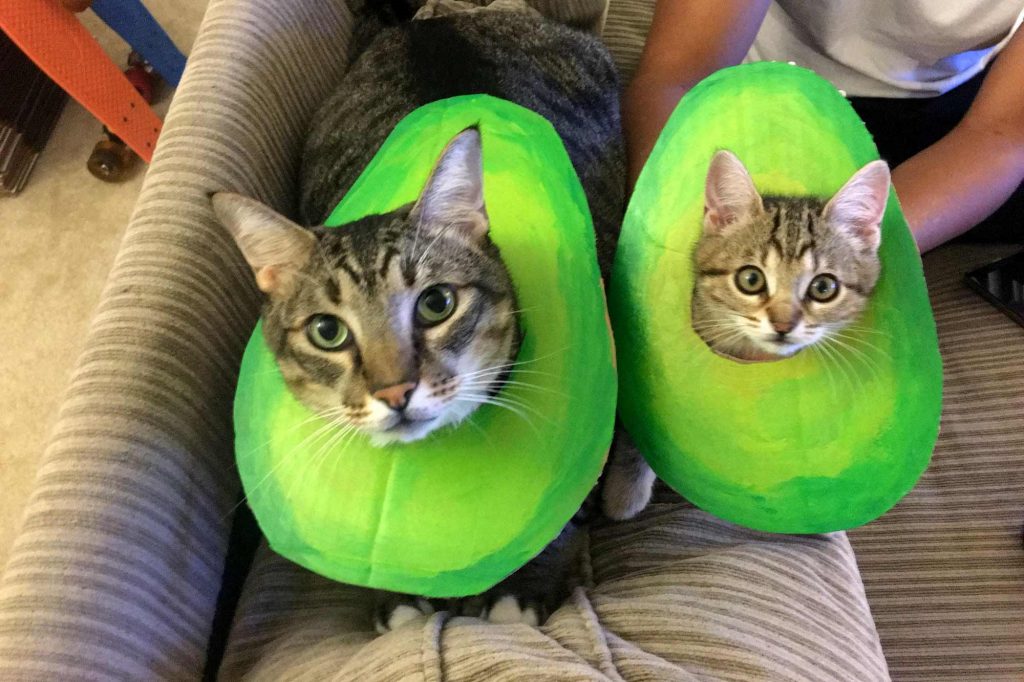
(117, 571)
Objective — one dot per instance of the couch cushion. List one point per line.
(672, 595)
(116, 572)
(944, 570)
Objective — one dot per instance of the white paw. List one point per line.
(506, 611)
(404, 613)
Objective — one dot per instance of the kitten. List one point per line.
(774, 275)
(375, 326)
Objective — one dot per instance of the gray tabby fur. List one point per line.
(791, 240)
(790, 243)
(563, 74)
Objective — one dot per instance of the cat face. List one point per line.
(774, 275)
(396, 324)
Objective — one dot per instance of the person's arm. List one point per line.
(960, 180)
(688, 40)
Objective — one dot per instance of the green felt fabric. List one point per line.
(455, 513)
(807, 444)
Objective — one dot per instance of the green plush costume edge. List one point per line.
(815, 443)
(454, 514)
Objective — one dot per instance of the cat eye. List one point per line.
(435, 305)
(327, 332)
(750, 280)
(823, 288)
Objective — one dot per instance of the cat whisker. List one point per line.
(416, 239)
(328, 414)
(730, 332)
(336, 443)
(862, 329)
(340, 449)
(310, 455)
(506, 366)
(849, 372)
(721, 338)
(520, 414)
(316, 434)
(500, 372)
(441, 233)
(853, 338)
(858, 354)
(508, 403)
(511, 382)
(522, 405)
(487, 437)
(314, 461)
(826, 365)
(828, 360)
(521, 310)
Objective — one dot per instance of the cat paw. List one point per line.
(508, 609)
(626, 493)
(392, 616)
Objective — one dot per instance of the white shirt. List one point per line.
(888, 48)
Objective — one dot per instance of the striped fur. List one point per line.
(563, 74)
(510, 52)
(391, 368)
(774, 275)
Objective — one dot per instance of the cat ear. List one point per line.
(859, 206)
(729, 193)
(274, 246)
(454, 194)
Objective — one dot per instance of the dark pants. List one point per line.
(903, 127)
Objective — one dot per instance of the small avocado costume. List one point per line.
(453, 514)
(801, 445)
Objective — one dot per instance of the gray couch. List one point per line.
(117, 571)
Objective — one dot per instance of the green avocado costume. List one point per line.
(455, 513)
(802, 445)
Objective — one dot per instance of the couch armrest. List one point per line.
(117, 569)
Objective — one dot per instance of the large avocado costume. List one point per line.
(455, 513)
(806, 444)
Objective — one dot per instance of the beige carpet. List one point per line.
(57, 242)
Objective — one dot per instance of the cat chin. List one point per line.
(754, 351)
(780, 352)
(412, 431)
(407, 432)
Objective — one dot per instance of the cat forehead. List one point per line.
(359, 273)
(363, 237)
(796, 226)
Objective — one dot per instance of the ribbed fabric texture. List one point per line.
(117, 570)
(673, 595)
(944, 570)
(625, 30)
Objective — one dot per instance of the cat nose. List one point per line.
(783, 327)
(397, 396)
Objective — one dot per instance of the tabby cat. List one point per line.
(776, 274)
(773, 275)
(402, 324)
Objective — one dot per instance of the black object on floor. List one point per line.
(29, 110)
(1002, 284)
